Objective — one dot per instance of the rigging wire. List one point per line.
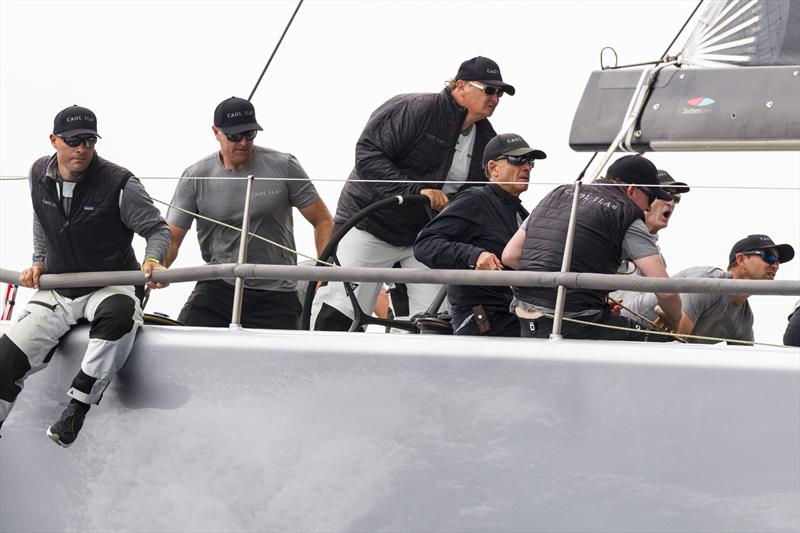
(537, 183)
(300, 3)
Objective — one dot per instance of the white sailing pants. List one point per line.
(362, 249)
(115, 316)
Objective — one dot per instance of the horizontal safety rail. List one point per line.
(571, 280)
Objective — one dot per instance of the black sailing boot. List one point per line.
(65, 430)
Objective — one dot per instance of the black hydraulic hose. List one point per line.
(300, 3)
(330, 248)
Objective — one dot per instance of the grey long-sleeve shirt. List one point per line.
(136, 211)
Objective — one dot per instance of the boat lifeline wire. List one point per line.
(537, 183)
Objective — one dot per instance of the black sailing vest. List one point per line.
(604, 216)
(91, 237)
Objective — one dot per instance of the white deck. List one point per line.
(275, 431)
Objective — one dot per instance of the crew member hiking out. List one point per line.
(86, 210)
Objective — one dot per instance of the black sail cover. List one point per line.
(737, 87)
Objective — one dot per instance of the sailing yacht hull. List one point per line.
(275, 430)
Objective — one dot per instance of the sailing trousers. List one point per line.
(115, 316)
(362, 249)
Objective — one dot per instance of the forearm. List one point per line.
(158, 243)
(322, 234)
(139, 214)
(435, 251)
(672, 306)
(172, 253)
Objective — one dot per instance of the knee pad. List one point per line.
(113, 318)
(13, 367)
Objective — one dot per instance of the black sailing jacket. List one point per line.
(481, 219)
(411, 138)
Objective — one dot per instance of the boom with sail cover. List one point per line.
(736, 87)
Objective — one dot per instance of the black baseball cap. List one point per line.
(508, 144)
(665, 179)
(640, 171)
(761, 242)
(75, 120)
(236, 115)
(484, 70)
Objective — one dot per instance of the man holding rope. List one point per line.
(610, 225)
(724, 316)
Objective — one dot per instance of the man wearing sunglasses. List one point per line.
(410, 145)
(267, 303)
(86, 210)
(610, 225)
(472, 231)
(656, 218)
(726, 316)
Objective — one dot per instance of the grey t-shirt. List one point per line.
(223, 199)
(714, 315)
(629, 267)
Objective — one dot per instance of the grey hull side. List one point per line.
(220, 430)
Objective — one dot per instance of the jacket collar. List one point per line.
(51, 170)
(505, 196)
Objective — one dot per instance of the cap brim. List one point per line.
(679, 186)
(73, 133)
(508, 89)
(535, 154)
(661, 194)
(785, 252)
(241, 128)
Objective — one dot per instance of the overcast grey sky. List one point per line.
(154, 71)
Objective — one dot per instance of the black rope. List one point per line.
(300, 3)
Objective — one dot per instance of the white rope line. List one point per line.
(675, 335)
(249, 233)
(532, 183)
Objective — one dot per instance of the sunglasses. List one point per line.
(675, 194)
(236, 137)
(74, 142)
(651, 194)
(766, 255)
(488, 89)
(518, 160)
